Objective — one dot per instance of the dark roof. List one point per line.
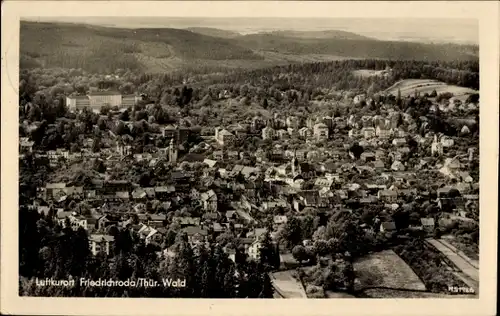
(192, 157)
(99, 93)
(78, 97)
(192, 230)
(389, 225)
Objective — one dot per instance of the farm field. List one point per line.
(408, 87)
(385, 269)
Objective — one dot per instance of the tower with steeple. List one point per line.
(295, 164)
(172, 152)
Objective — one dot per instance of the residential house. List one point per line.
(253, 250)
(218, 155)
(465, 177)
(280, 220)
(378, 165)
(368, 156)
(195, 234)
(292, 122)
(368, 132)
(380, 154)
(53, 190)
(359, 98)
(157, 220)
(25, 146)
(100, 243)
(224, 137)
(320, 132)
(399, 142)
(210, 163)
(447, 142)
(383, 132)
(324, 182)
(428, 224)
(451, 168)
(139, 195)
(233, 155)
(185, 221)
(387, 227)
(398, 166)
(389, 196)
(282, 134)
(268, 133)
(305, 132)
(162, 193)
(209, 200)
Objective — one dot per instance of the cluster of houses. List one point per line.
(229, 193)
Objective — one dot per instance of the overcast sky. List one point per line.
(424, 30)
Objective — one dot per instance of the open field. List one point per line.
(385, 269)
(422, 86)
(287, 285)
(368, 73)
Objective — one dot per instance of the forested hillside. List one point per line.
(358, 48)
(100, 49)
(209, 31)
(105, 49)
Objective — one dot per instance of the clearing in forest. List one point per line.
(422, 86)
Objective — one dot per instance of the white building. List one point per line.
(321, 132)
(101, 98)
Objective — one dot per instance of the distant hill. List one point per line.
(105, 49)
(358, 48)
(96, 48)
(213, 32)
(328, 34)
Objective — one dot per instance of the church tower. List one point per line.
(295, 164)
(172, 152)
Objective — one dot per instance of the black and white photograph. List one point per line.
(248, 157)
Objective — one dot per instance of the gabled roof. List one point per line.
(193, 230)
(59, 185)
(208, 195)
(101, 238)
(62, 215)
(389, 225)
(427, 221)
(225, 132)
(387, 193)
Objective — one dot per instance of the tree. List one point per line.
(268, 252)
(267, 287)
(356, 150)
(291, 234)
(105, 109)
(300, 253)
(124, 116)
(265, 104)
